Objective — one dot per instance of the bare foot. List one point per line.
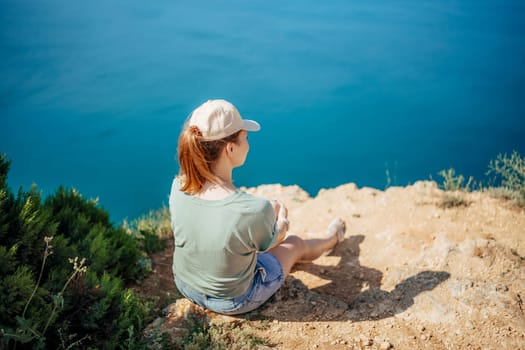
(337, 228)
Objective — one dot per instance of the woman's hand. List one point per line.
(283, 211)
(282, 223)
(280, 210)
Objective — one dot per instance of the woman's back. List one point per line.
(216, 240)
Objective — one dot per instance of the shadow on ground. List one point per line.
(353, 293)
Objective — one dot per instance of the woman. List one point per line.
(231, 250)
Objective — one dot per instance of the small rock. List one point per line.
(423, 337)
(365, 340)
(385, 345)
(422, 328)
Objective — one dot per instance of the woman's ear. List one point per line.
(229, 148)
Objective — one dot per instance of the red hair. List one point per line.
(196, 156)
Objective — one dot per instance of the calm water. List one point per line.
(92, 95)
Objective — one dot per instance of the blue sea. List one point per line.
(93, 93)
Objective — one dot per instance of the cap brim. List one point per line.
(250, 125)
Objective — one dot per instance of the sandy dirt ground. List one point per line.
(410, 274)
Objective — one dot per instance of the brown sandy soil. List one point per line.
(409, 275)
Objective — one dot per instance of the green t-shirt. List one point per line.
(216, 241)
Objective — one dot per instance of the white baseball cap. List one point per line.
(217, 119)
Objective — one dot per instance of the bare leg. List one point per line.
(294, 248)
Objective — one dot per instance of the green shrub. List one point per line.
(453, 182)
(452, 201)
(48, 297)
(452, 185)
(151, 230)
(509, 177)
(89, 231)
(508, 181)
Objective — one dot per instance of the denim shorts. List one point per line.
(267, 280)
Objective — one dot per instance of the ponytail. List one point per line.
(196, 157)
